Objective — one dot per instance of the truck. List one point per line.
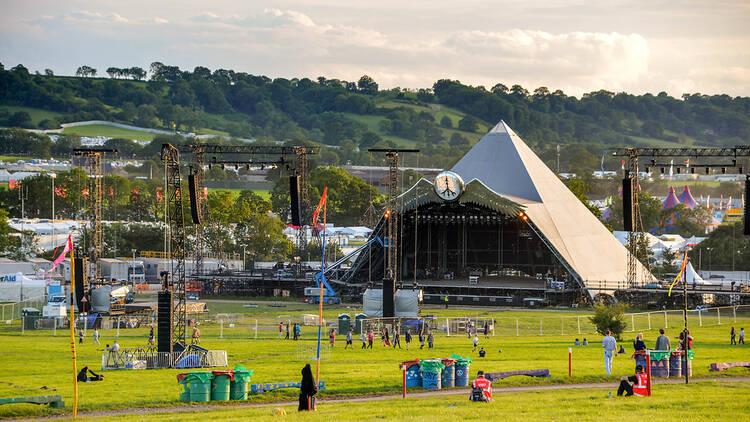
(131, 272)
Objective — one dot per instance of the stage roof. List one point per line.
(503, 162)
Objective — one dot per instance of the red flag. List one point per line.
(321, 204)
(159, 195)
(12, 184)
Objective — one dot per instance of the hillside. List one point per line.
(443, 121)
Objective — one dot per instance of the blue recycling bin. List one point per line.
(462, 372)
(448, 374)
(431, 369)
(413, 376)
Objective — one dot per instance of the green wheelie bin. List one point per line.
(220, 385)
(238, 386)
(199, 386)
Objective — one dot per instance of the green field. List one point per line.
(37, 114)
(109, 131)
(40, 363)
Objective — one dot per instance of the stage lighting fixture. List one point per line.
(708, 170)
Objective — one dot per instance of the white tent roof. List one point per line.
(504, 163)
(691, 276)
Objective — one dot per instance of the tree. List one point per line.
(49, 72)
(468, 124)
(85, 71)
(446, 122)
(457, 140)
(6, 240)
(609, 318)
(20, 119)
(114, 72)
(367, 85)
(136, 73)
(368, 140)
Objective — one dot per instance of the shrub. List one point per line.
(609, 317)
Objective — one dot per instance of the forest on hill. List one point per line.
(443, 121)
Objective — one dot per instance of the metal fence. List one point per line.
(246, 326)
(150, 358)
(13, 311)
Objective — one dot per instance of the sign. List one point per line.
(9, 278)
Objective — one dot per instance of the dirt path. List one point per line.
(429, 393)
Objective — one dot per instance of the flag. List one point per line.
(61, 191)
(321, 204)
(61, 257)
(679, 276)
(13, 184)
(159, 195)
(687, 163)
(85, 193)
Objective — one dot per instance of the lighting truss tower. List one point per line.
(632, 154)
(91, 160)
(176, 244)
(391, 212)
(198, 151)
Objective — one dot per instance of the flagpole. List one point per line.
(72, 331)
(322, 283)
(684, 315)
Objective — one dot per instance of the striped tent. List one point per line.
(687, 198)
(606, 214)
(671, 201)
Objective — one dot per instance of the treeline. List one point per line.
(340, 113)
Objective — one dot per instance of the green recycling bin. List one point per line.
(220, 385)
(199, 386)
(238, 386)
(182, 380)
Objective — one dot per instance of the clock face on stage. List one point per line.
(448, 185)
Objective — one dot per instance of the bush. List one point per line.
(609, 318)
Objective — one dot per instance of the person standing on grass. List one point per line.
(151, 336)
(332, 336)
(476, 343)
(662, 342)
(387, 337)
(363, 337)
(486, 330)
(742, 336)
(408, 338)
(80, 336)
(610, 350)
(396, 339)
(281, 329)
(732, 336)
(370, 339)
(446, 301)
(96, 336)
(421, 340)
(639, 344)
(287, 332)
(468, 330)
(429, 339)
(196, 335)
(349, 339)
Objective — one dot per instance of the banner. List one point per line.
(61, 257)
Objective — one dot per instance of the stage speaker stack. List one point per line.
(194, 208)
(164, 321)
(294, 194)
(389, 291)
(746, 232)
(628, 207)
(80, 276)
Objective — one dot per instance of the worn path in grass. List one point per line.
(420, 394)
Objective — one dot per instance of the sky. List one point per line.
(638, 46)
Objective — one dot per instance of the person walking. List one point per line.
(662, 342)
(476, 343)
(610, 350)
(96, 336)
(387, 337)
(281, 329)
(287, 332)
(446, 301)
(332, 336)
(151, 337)
(429, 340)
(299, 331)
(370, 338)
(80, 336)
(396, 339)
(486, 330)
(468, 330)
(742, 336)
(421, 340)
(349, 339)
(363, 338)
(732, 335)
(408, 338)
(196, 335)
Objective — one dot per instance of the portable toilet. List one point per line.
(358, 323)
(344, 323)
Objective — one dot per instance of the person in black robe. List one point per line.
(308, 389)
(83, 375)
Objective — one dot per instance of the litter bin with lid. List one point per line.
(448, 374)
(182, 380)
(430, 370)
(198, 386)
(462, 370)
(413, 377)
(220, 385)
(238, 386)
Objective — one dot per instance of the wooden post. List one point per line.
(579, 324)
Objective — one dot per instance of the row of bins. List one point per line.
(665, 364)
(221, 385)
(434, 374)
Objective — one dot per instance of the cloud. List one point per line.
(85, 15)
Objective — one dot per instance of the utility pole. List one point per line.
(53, 176)
(558, 158)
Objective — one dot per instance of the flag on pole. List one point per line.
(68, 247)
(679, 276)
(671, 168)
(321, 205)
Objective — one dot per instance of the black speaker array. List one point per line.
(389, 291)
(627, 203)
(193, 200)
(164, 322)
(746, 231)
(80, 288)
(294, 200)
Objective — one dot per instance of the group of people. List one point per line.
(578, 342)
(82, 335)
(733, 337)
(296, 331)
(472, 330)
(662, 343)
